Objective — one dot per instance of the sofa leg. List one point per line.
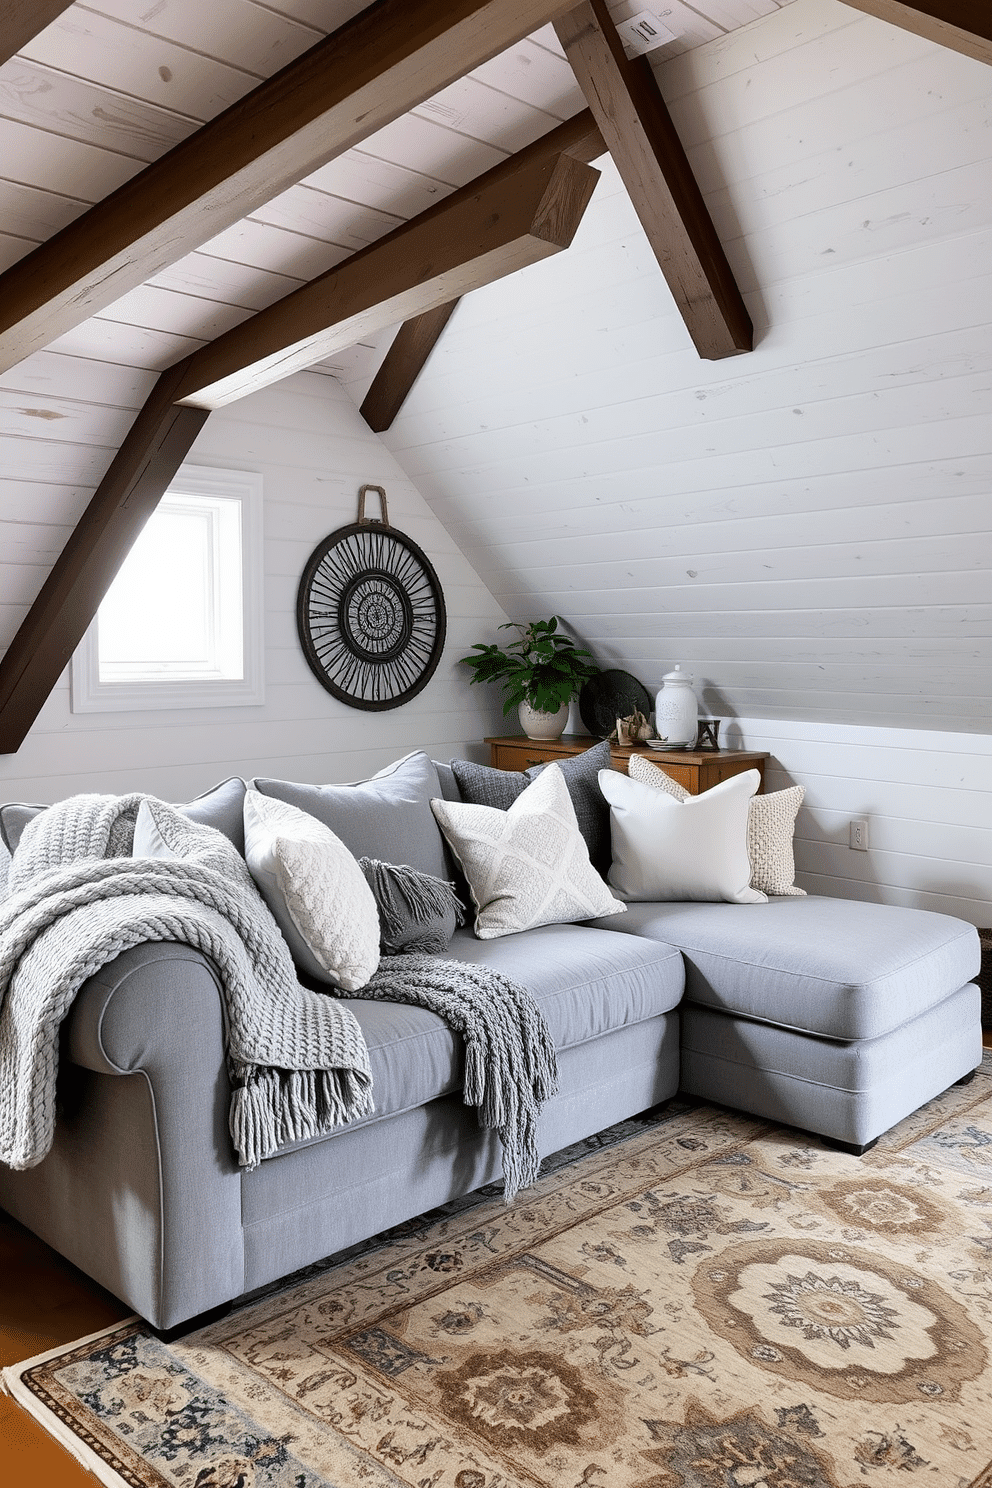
(850, 1147)
(967, 1079)
(212, 1315)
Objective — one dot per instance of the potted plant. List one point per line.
(540, 673)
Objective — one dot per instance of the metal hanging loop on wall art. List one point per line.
(370, 613)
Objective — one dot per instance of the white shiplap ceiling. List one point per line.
(111, 86)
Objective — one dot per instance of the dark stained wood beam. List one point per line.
(141, 472)
(21, 21)
(521, 211)
(627, 106)
(402, 365)
(370, 71)
(580, 138)
(963, 25)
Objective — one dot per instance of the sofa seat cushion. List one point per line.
(834, 967)
(586, 983)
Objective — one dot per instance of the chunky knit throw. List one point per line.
(297, 1060)
(510, 1064)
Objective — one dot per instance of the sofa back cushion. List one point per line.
(388, 817)
(222, 807)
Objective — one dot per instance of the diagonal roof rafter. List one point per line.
(963, 25)
(386, 60)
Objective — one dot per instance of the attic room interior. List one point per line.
(673, 321)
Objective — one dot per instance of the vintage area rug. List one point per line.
(692, 1300)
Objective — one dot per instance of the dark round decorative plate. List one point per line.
(611, 695)
(371, 617)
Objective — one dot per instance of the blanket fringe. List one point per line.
(271, 1108)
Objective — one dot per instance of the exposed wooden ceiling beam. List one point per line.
(159, 440)
(415, 340)
(521, 211)
(402, 365)
(22, 20)
(627, 106)
(376, 67)
(963, 25)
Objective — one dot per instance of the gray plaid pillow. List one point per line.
(481, 785)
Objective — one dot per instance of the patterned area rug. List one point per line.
(692, 1300)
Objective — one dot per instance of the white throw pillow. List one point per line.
(315, 890)
(771, 825)
(529, 865)
(666, 849)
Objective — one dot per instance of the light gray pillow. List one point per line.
(221, 807)
(388, 817)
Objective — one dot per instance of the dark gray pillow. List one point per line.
(482, 785)
(222, 807)
(388, 817)
(417, 912)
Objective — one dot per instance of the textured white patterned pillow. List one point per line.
(526, 866)
(638, 768)
(771, 825)
(315, 890)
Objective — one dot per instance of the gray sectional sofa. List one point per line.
(833, 1016)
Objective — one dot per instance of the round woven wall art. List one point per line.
(370, 613)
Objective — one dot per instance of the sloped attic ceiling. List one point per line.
(807, 529)
(107, 87)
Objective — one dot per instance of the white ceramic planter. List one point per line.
(542, 725)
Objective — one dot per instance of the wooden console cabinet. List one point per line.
(696, 769)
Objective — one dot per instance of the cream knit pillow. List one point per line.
(528, 865)
(315, 890)
(771, 825)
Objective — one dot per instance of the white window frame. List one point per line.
(90, 695)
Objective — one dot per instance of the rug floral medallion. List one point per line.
(692, 1300)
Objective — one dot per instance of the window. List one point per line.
(180, 626)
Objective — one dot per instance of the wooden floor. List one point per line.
(45, 1302)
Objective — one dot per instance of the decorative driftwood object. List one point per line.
(633, 729)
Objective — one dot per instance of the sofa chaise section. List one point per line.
(832, 1015)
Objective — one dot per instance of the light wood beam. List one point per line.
(22, 20)
(963, 25)
(376, 67)
(627, 106)
(141, 472)
(580, 138)
(521, 211)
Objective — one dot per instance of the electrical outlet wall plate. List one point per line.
(643, 32)
(859, 835)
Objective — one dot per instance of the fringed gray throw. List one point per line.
(297, 1060)
(510, 1063)
(417, 912)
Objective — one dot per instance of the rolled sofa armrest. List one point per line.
(142, 1189)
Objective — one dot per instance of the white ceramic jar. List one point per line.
(676, 715)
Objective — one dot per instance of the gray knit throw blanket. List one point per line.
(297, 1060)
(510, 1063)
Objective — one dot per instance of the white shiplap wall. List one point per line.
(806, 527)
(313, 451)
(927, 798)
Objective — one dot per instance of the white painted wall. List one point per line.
(927, 798)
(313, 451)
(806, 527)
